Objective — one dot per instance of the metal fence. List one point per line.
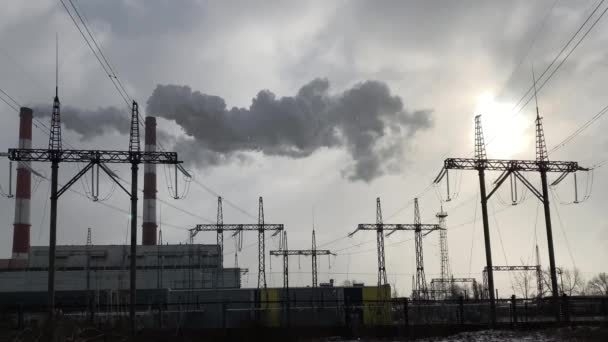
(400, 312)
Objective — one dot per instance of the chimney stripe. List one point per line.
(23, 192)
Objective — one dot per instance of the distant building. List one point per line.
(106, 267)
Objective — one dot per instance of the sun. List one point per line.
(504, 130)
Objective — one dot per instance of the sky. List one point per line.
(321, 107)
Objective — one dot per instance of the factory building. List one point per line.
(106, 267)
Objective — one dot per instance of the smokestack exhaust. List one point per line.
(22, 224)
(149, 213)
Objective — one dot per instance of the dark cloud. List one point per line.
(367, 120)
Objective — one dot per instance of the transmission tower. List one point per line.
(443, 246)
(513, 167)
(421, 288)
(261, 246)
(56, 155)
(313, 253)
(380, 227)
(380, 243)
(261, 227)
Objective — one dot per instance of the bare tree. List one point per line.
(572, 282)
(525, 281)
(598, 285)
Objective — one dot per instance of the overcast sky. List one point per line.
(321, 107)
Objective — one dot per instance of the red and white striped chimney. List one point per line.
(149, 213)
(21, 233)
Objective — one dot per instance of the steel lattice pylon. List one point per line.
(313, 257)
(446, 273)
(313, 253)
(380, 227)
(134, 136)
(56, 155)
(421, 291)
(380, 243)
(480, 146)
(55, 130)
(514, 168)
(261, 246)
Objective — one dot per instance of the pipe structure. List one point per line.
(22, 223)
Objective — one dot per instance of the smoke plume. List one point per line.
(367, 120)
(89, 123)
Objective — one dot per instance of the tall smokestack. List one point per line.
(21, 233)
(149, 215)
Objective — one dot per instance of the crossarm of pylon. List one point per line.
(301, 252)
(513, 165)
(397, 226)
(238, 227)
(101, 156)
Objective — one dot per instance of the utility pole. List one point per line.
(512, 167)
(261, 227)
(380, 227)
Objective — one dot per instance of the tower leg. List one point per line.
(133, 265)
(554, 288)
(52, 241)
(488, 247)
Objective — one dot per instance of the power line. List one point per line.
(216, 194)
(568, 55)
(530, 47)
(515, 112)
(579, 130)
(562, 51)
(105, 69)
(11, 98)
(98, 46)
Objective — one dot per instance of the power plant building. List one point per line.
(106, 267)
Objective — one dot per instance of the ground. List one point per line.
(546, 335)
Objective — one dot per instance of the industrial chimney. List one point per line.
(149, 213)
(21, 233)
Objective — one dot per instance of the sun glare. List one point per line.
(504, 131)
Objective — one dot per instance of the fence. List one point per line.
(400, 312)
